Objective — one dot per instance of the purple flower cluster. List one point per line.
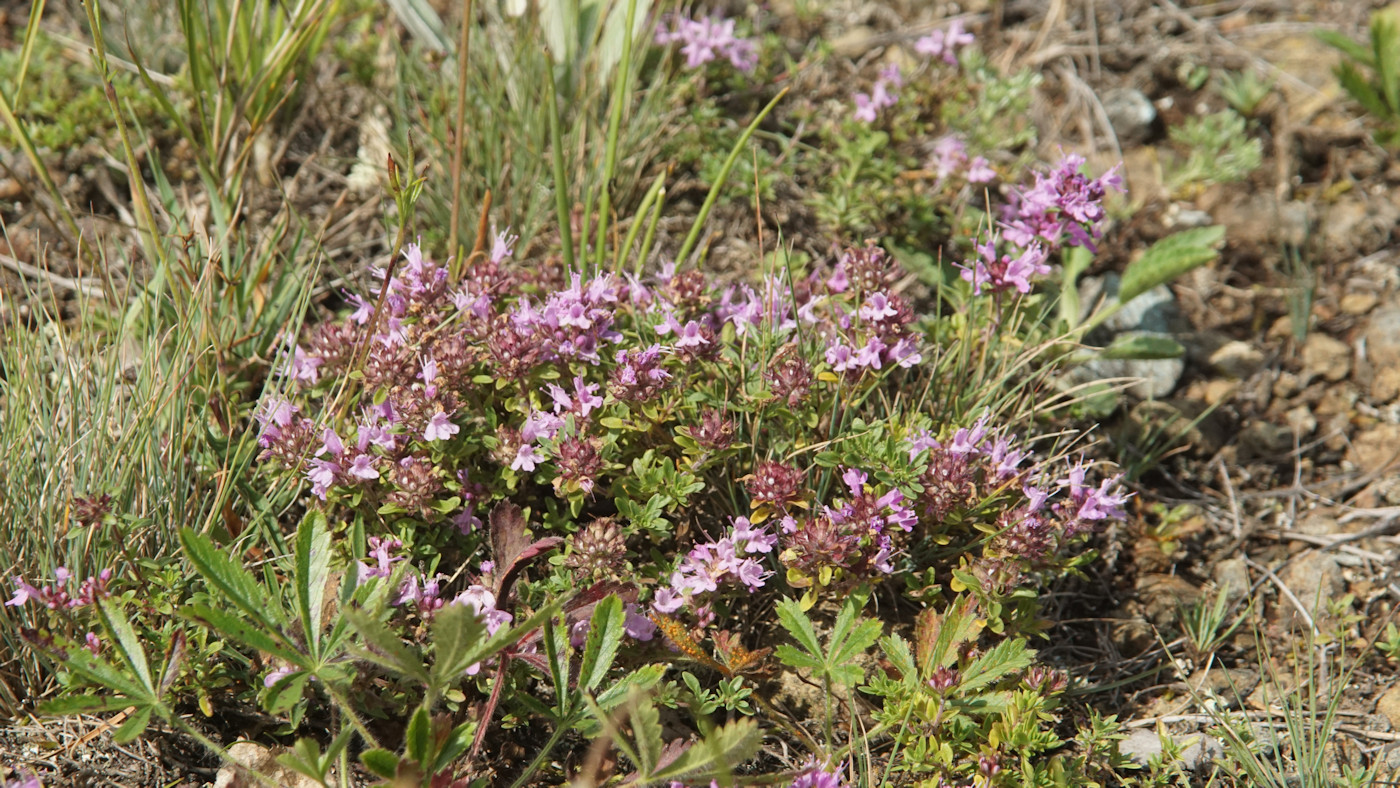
(945, 43)
(573, 323)
(709, 565)
(816, 775)
(885, 93)
(855, 537)
(57, 595)
(1063, 207)
(707, 38)
(1032, 530)
(874, 335)
(1003, 272)
(950, 156)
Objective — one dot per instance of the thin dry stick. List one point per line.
(1238, 530)
(1287, 592)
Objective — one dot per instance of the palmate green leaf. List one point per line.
(899, 654)
(134, 726)
(385, 648)
(1003, 658)
(100, 671)
(306, 757)
(459, 645)
(83, 704)
(862, 637)
(1169, 258)
(604, 636)
(234, 582)
(639, 680)
(715, 755)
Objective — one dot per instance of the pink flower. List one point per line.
(439, 428)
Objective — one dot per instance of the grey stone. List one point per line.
(1237, 360)
(1155, 378)
(1197, 751)
(1201, 752)
(1130, 113)
(1316, 579)
(1382, 337)
(1140, 746)
(1232, 578)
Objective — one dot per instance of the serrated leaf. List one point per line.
(717, 754)
(1361, 90)
(604, 636)
(134, 726)
(1141, 345)
(83, 704)
(311, 574)
(128, 644)
(381, 762)
(861, 638)
(897, 651)
(247, 634)
(418, 738)
(234, 582)
(1169, 258)
(640, 680)
(287, 692)
(794, 658)
(386, 649)
(1003, 658)
(798, 625)
(457, 630)
(646, 730)
(99, 671)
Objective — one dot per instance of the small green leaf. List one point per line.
(1169, 258)
(235, 582)
(128, 645)
(134, 726)
(1139, 345)
(387, 649)
(1346, 45)
(604, 636)
(418, 739)
(798, 625)
(382, 762)
(312, 572)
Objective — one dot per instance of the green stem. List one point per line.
(554, 738)
(657, 187)
(710, 198)
(619, 100)
(561, 188)
(463, 51)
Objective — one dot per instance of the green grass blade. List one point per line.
(694, 236)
